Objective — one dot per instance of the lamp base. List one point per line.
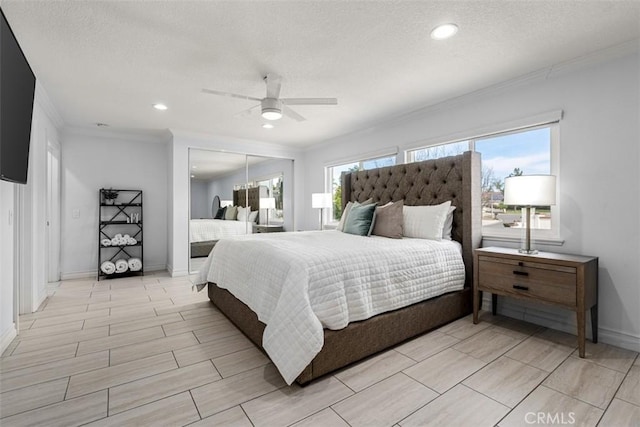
(528, 251)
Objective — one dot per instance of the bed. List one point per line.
(204, 233)
(424, 183)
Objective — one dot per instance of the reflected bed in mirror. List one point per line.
(226, 190)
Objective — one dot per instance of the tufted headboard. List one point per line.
(430, 182)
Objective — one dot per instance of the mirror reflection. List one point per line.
(233, 194)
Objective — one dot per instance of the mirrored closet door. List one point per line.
(234, 194)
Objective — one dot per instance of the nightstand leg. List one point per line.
(594, 323)
(494, 304)
(476, 305)
(581, 332)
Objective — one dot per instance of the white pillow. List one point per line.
(253, 216)
(425, 222)
(448, 224)
(243, 213)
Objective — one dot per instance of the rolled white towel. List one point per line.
(114, 241)
(135, 264)
(132, 241)
(105, 242)
(108, 267)
(121, 266)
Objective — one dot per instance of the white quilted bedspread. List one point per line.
(203, 230)
(299, 283)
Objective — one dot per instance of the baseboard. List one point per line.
(559, 319)
(176, 273)
(78, 275)
(93, 274)
(7, 337)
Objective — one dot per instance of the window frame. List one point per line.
(546, 235)
(328, 179)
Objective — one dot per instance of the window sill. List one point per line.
(545, 241)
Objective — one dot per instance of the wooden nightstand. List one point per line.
(569, 281)
(263, 228)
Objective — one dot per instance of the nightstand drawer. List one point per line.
(551, 283)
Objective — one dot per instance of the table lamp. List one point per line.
(321, 201)
(267, 203)
(528, 191)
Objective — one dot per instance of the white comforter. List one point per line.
(203, 230)
(298, 283)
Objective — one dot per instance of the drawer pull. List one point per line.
(520, 287)
(520, 273)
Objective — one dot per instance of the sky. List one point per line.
(529, 151)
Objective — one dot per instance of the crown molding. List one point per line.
(231, 144)
(43, 99)
(134, 135)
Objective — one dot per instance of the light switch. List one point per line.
(75, 213)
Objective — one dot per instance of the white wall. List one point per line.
(7, 325)
(178, 257)
(200, 200)
(32, 205)
(599, 183)
(94, 160)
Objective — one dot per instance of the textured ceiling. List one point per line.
(108, 61)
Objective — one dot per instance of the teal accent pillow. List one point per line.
(360, 220)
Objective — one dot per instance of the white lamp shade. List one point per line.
(267, 203)
(530, 190)
(321, 200)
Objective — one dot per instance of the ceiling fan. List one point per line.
(272, 107)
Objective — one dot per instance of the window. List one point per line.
(437, 151)
(334, 174)
(274, 189)
(522, 152)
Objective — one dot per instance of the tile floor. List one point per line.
(151, 351)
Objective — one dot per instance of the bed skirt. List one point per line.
(202, 249)
(359, 339)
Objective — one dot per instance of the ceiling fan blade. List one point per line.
(247, 113)
(290, 113)
(274, 83)
(310, 101)
(230, 95)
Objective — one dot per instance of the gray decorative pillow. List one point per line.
(346, 211)
(361, 220)
(231, 213)
(389, 220)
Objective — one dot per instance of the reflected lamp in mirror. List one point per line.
(321, 201)
(529, 191)
(267, 203)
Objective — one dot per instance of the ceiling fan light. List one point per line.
(271, 113)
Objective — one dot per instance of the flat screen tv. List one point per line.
(17, 88)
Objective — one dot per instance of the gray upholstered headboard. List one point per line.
(430, 182)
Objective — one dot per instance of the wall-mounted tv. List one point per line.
(17, 88)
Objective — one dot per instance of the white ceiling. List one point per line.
(108, 61)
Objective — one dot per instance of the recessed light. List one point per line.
(444, 31)
(160, 107)
(267, 126)
(194, 167)
(193, 176)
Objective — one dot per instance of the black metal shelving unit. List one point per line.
(121, 215)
